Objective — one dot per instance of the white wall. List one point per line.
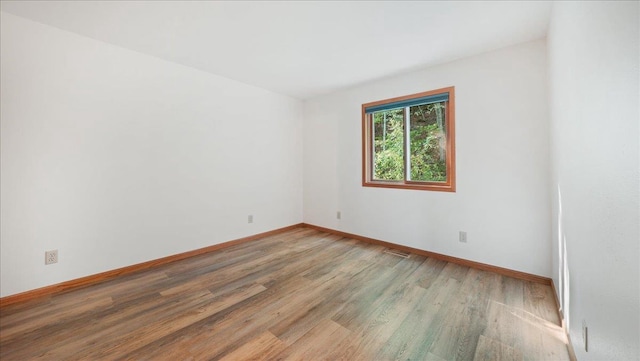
(594, 62)
(502, 197)
(115, 158)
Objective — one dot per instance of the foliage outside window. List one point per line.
(408, 142)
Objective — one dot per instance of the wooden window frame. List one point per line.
(367, 146)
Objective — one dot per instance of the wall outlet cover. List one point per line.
(51, 257)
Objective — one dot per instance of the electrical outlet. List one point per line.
(338, 215)
(250, 218)
(463, 237)
(585, 335)
(51, 257)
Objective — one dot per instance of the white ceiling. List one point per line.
(302, 49)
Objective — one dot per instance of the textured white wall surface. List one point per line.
(115, 158)
(502, 197)
(594, 62)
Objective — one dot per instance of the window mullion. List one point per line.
(407, 144)
(372, 145)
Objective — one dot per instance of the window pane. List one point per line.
(428, 142)
(388, 145)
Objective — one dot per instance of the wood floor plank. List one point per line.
(225, 331)
(537, 303)
(357, 277)
(358, 304)
(365, 341)
(96, 345)
(458, 336)
(280, 257)
(57, 305)
(270, 302)
(432, 357)
(422, 326)
(466, 318)
(242, 323)
(315, 343)
(264, 347)
(455, 271)
(300, 295)
(429, 271)
(492, 350)
(13, 330)
(167, 326)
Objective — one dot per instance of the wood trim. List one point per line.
(367, 147)
(461, 261)
(408, 97)
(451, 140)
(411, 185)
(555, 295)
(572, 352)
(101, 277)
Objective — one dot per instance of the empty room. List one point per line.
(320, 180)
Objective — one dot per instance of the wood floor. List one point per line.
(300, 295)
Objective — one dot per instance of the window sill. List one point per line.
(438, 187)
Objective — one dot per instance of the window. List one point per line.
(408, 142)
